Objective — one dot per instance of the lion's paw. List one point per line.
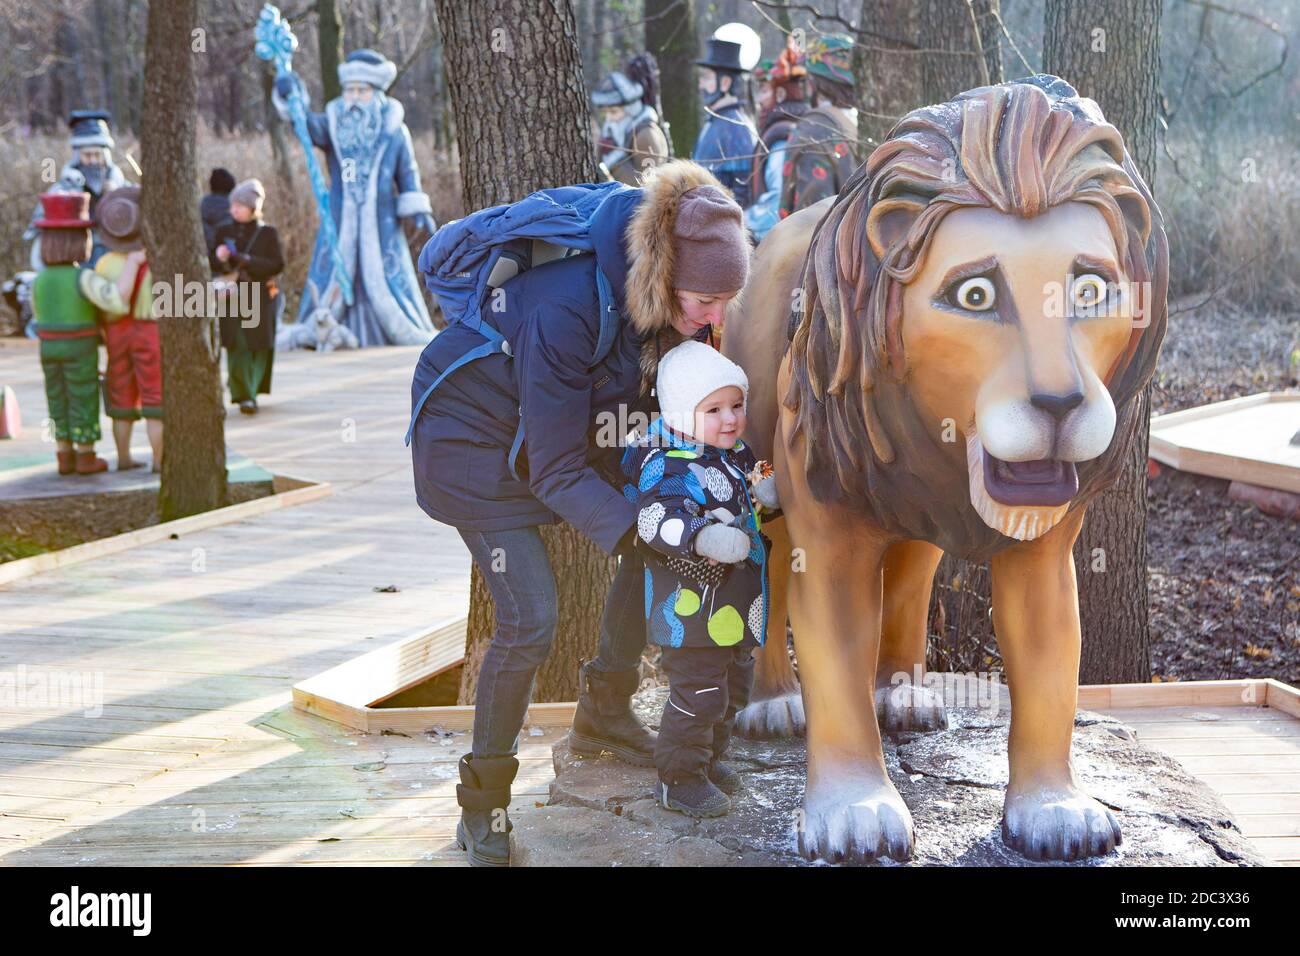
(855, 824)
(910, 707)
(1058, 823)
(780, 716)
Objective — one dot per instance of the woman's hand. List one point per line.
(223, 253)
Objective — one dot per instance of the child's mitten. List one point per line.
(765, 492)
(722, 543)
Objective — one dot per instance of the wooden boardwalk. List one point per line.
(1250, 756)
(192, 646)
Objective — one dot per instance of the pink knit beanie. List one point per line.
(712, 249)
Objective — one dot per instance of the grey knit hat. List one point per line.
(712, 249)
(251, 194)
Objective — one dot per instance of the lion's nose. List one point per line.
(1058, 406)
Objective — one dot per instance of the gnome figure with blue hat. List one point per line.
(91, 170)
(374, 183)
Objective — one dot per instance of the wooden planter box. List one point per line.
(352, 692)
(1243, 439)
(288, 492)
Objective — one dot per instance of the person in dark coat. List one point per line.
(675, 253)
(214, 208)
(247, 251)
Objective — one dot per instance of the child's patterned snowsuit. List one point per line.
(707, 617)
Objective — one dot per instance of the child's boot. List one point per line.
(483, 795)
(693, 796)
(67, 462)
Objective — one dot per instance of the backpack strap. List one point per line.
(496, 342)
(610, 319)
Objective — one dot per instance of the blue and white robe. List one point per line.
(382, 187)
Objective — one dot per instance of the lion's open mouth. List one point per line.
(1044, 481)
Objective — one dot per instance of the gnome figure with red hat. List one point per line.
(65, 324)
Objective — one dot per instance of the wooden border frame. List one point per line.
(296, 492)
(349, 692)
(1199, 461)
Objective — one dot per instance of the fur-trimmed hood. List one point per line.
(649, 299)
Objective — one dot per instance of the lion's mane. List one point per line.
(1020, 148)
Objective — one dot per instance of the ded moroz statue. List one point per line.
(374, 183)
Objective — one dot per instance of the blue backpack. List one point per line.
(465, 261)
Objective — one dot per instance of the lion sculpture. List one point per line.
(948, 356)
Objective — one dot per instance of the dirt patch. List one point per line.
(1225, 585)
(40, 525)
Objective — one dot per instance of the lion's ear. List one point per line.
(889, 220)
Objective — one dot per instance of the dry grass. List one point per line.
(32, 164)
(1232, 211)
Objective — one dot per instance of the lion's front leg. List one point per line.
(851, 810)
(1046, 816)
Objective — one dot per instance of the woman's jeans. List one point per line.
(517, 571)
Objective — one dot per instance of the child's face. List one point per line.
(720, 418)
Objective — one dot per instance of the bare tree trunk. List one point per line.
(329, 41)
(1109, 50)
(671, 36)
(888, 71)
(516, 138)
(194, 460)
(966, 42)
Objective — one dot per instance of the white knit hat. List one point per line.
(690, 373)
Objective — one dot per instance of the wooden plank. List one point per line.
(1257, 826)
(1243, 439)
(388, 670)
(1221, 693)
(1246, 716)
(1249, 783)
(25, 567)
(1280, 849)
(1282, 697)
(1225, 746)
(1265, 763)
(1257, 804)
(1183, 729)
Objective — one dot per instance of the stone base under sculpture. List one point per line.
(602, 812)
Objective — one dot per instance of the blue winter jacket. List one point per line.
(463, 435)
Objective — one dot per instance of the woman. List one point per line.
(675, 253)
(248, 251)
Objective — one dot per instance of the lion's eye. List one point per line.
(1089, 293)
(976, 294)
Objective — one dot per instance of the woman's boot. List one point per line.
(483, 795)
(604, 718)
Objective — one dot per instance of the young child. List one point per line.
(706, 567)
